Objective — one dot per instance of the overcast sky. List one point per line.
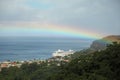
(101, 16)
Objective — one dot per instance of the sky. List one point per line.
(73, 18)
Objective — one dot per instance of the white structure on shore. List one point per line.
(62, 53)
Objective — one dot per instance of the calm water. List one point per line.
(21, 48)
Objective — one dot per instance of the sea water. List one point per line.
(28, 48)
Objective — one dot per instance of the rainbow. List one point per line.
(69, 31)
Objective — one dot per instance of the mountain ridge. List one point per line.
(101, 44)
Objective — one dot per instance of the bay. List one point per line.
(28, 48)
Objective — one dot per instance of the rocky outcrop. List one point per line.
(102, 43)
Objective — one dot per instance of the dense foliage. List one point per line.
(100, 65)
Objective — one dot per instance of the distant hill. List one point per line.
(113, 38)
(102, 43)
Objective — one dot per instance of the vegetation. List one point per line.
(99, 65)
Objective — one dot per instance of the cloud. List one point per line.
(92, 14)
(25, 9)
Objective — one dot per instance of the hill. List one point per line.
(102, 43)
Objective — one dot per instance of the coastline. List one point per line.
(57, 59)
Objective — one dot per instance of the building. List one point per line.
(62, 53)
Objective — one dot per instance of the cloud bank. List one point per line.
(101, 15)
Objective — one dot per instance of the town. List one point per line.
(58, 57)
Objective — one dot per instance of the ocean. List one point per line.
(29, 48)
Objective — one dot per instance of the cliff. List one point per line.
(102, 43)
